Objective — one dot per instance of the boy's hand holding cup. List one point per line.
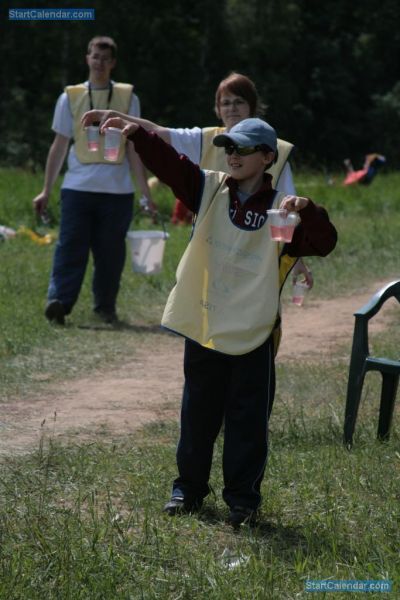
(112, 127)
(294, 203)
(284, 219)
(96, 117)
(117, 123)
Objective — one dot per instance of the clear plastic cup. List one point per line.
(112, 142)
(300, 288)
(282, 224)
(93, 138)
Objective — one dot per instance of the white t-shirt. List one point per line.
(92, 177)
(188, 141)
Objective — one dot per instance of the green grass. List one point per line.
(29, 347)
(367, 219)
(83, 521)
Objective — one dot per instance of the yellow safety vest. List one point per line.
(228, 281)
(213, 157)
(78, 96)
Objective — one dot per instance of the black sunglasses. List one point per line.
(242, 150)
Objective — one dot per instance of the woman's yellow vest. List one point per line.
(228, 281)
(213, 157)
(78, 96)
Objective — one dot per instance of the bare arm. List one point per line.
(54, 162)
(300, 268)
(101, 116)
(140, 175)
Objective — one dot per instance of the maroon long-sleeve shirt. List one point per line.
(314, 236)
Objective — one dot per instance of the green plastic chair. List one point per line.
(361, 361)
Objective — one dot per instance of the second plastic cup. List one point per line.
(300, 288)
(93, 138)
(282, 224)
(112, 142)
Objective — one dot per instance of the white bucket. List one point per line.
(147, 250)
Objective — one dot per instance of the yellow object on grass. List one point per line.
(42, 240)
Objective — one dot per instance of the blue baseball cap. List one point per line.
(249, 132)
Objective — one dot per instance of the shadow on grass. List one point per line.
(123, 327)
(211, 515)
(280, 534)
(285, 541)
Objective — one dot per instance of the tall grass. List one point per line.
(367, 219)
(29, 347)
(84, 521)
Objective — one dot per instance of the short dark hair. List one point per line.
(264, 148)
(104, 43)
(243, 86)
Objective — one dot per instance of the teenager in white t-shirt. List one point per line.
(96, 197)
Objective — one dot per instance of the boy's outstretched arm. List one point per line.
(175, 170)
(101, 116)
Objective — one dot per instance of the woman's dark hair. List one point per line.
(242, 86)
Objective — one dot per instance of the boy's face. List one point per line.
(233, 109)
(100, 63)
(247, 167)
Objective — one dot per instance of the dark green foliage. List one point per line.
(327, 70)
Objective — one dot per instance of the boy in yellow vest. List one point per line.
(96, 195)
(226, 303)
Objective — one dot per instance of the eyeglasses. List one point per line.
(242, 150)
(235, 103)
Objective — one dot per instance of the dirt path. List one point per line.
(148, 388)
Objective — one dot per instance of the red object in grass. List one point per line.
(355, 176)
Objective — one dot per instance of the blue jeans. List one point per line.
(90, 222)
(237, 391)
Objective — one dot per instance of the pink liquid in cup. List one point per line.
(300, 288)
(288, 233)
(92, 134)
(111, 153)
(282, 225)
(112, 142)
(93, 146)
(282, 234)
(298, 300)
(277, 233)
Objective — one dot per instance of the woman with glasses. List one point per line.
(236, 99)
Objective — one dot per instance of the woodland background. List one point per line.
(329, 71)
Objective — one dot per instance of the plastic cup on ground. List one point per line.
(112, 142)
(282, 224)
(93, 138)
(300, 288)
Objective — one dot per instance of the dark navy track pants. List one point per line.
(237, 391)
(93, 222)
